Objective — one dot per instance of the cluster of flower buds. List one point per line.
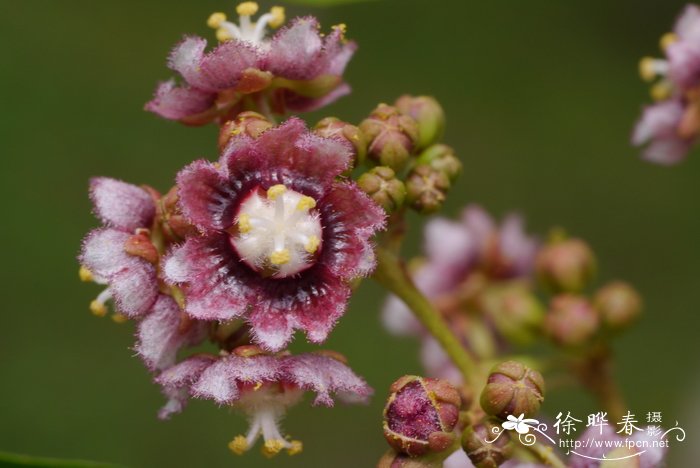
(670, 127)
(246, 250)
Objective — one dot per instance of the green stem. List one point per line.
(546, 455)
(392, 275)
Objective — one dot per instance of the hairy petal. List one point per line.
(177, 102)
(121, 205)
(205, 198)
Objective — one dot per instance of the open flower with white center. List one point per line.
(120, 253)
(281, 236)
(263, 386)
(297, 69)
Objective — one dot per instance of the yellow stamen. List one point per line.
(278, 17)
(98, 309)
(296, 447)
(238, 445)
(257, 386)
(646, 69)
(244, 223)
(119, 318)
(342, 27)
(275, 191)
(215, 20)
(223, 35)
(312, 245)
(661, 90)
(668, 39)
(85, 274)
(272, 447)
(279, 257)
(247, 8)
(306, 203)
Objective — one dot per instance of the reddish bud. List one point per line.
(618, 304)
(175, 226)
(331, 127)
(246, 123)
(571, 320)
(566, 266)
(140, 245)
(391, 136)
(513, 388)
(481, 453)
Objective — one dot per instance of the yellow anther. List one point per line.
(306, 203)
(275, 191)
(85, 274)
(342, 27)
(238, 445)
(278, 17)
(223, 35)
(119, 318)
(661, 90)
(646, 68)
(312, 245)
(295, 447)
(272, 447)
(667, 39)
(257, 386)
(279, 257)
(244, 223)
(98, 309)
(215, 20)
(247, 8)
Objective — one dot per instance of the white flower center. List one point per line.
(277, 232)
(246, 30)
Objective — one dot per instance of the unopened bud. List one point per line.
(571, 320)
(331, 127)
(420, 415)
(484, 454)
(516, 312)
(140, 245)
(618, 304)
(381, 184)
(175, 225)
(428, 114)
(566, 265)
(391, 136)
(513, 388)
(426, 189)
(247, 123)
(442, 158)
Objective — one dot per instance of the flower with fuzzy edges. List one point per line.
(281, 236)
(298, 69)
(263, 386)
(120, 254)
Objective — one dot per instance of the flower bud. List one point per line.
(516, 312)
(331, 127)
(246, 123)
(426, 189)
(381, 184)
(175, 225)
(481, 453)
(420, 415)
(571, 320)
(391, 136)
(618, 304)
(428, 114)
(567, 265)
(512, 388)
(441, 158)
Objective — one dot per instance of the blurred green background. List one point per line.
(541, 97)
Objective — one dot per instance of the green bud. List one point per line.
(426, 189)
(381, 184)
(391, 136)
(516, 312)
(442, 158)
(481, 453)
(331, 127)
(618, 304)
(428, 114)
(513, 388)
(566, 265)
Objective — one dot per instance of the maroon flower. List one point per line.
(298, 69)
(281, 237)
(120, 253)
(263, 386)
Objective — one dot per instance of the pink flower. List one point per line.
(263, 386)
(298, 69)
(119, 254)
(658, 129)
(281, 237)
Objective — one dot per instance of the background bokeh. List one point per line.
(541, 97)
